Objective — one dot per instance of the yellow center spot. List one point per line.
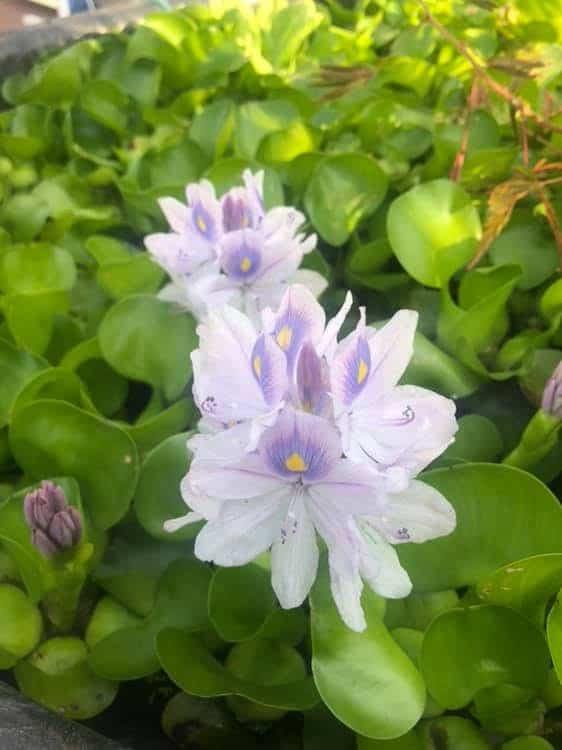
(201, 224)
(245, 264)
(362, 371)
(245, 222)
(295, 462)
(284, 337)
(257, 365)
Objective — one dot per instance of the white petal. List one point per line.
(350, 489)
(176, 213)
(243, 530)
(417, 514)
(312, 280)
(246, 478)
(294, 556)
(178, 523)
(327, 344)
(343, 541)
(391, 349)
(380, 565)
(407, 426)
(203, 505)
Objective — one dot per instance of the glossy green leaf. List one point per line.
(18, 368)
(254, 120)
(466, 650)
(147, 339)
(129, 652)
(527, 743)
(235, 615)
(55, 438)
(151, 431)
(353, 182)
(452, 732)
(503, 514)
(554, 635)
(105, 103)
(477, 439)
(158, 496)
(36, 268)
(213, 127)
(433, 230)
(196, 672)
(57, 676)
(349, 668)
(408, 741)
(20, 627)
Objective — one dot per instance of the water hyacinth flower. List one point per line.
(304, 436)
(55, 525)
(231, 249)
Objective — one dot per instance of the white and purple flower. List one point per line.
(303, 437)
(231, 249)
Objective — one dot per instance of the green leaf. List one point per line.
(235, 615)
(263, 662)
(122, 272)
(527, 743)
(158, 496)
(36, 268)
(477, 439)
(467, 650)
(433, 229)
(554, 635)
(452, 732)
(408, 741)
(57, 676)
(129, 653)
(523, 584)
(18, 368)
(31, 317)
(50, 438)
(151, 431)
(21, 625)
(528, 244)
(354, 183)
(195, 671)
(105, 103)
(289, 29)
(430, 367)
(349, 668)
(254, 120)
(147, 339)
(212, 128)
(503, 514)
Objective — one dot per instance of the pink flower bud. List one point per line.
(54, 524)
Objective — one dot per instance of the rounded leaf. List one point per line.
(149, 340)
(50, 438)
(20, 625)
(433, 229)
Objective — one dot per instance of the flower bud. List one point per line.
(552, 395)
(55, 525)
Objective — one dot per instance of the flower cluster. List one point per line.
(303, 436)
(231, 249)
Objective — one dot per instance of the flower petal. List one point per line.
(328, 342)
(178, 523)
(243, 529)
(391, 349)
(269, 367)
(380, 565)
(407, 426)
(294, 556)
(299, 318)
(416, 514)
(246, 478)
(350, 489)
(312, 280)
(176, 213)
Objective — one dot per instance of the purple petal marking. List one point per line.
(204, 210)
(552, 395)
(301, 447)
(312, 380)
(300, 317)
(236, 214)
(353, 370)
(269, 369)
(242, 255)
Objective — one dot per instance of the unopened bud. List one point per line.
(551, 401)
(55, 525)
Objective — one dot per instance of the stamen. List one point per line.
(295, 463)
(402, 533)
(209, 405)
(284, 337)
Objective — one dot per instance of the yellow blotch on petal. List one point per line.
(245, 264)
(201, 224)
(256, 364)
(295, 462)
(284, 337)
(362, 371)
